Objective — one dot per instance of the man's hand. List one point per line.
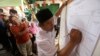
(75, 36)
(67, 2)
(23, 32)
(62, 6)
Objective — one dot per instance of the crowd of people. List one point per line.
(19, 35)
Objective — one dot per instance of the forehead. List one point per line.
(51, 19)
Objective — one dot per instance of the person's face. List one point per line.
(48, 25)
(15, 20)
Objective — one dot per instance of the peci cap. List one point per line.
(44, 15)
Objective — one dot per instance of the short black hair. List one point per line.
(44, 15)
(13, 11)
(1, 10)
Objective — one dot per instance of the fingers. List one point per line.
(67, 2)
(75, 36)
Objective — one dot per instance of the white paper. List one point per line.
(97, 49)
(85, 16)
(63, 29)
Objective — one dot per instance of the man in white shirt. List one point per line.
(46, 37)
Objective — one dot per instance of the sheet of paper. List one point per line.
(63, 29)
(97, 49)
(85, 16)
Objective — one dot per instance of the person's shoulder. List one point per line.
(41, 31)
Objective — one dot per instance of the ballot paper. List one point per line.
(85, 16)
(63, 29)
(97, 49)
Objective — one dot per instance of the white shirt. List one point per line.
(46, 42)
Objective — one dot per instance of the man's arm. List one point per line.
(25, 25)
(66, 51)
(23, 32)
(61, 8)
(75, 39)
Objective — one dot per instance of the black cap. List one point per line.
(44, 15)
